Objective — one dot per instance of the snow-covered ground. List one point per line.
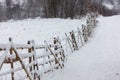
(37, 29)
(100, 58)
(34, 29)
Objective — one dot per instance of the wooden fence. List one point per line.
(33, 60)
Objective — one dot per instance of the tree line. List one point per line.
(51, 9)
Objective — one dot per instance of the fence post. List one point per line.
(75, 46)
(30, 58)
(35, 66)
(11, 62)
(80, 35)
(84, 31)
(55, 42)
(22, 64)
(66, 45)
(68, 40)
(54, 56)
(62, 54)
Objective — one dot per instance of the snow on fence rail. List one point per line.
(33, 60)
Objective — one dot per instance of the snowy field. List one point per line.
(37, 29)
(100, 58)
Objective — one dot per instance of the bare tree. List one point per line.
(9, 9)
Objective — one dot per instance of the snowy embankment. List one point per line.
(99, 59)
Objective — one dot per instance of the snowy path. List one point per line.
(100, 58)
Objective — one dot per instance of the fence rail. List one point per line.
(36, 60)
